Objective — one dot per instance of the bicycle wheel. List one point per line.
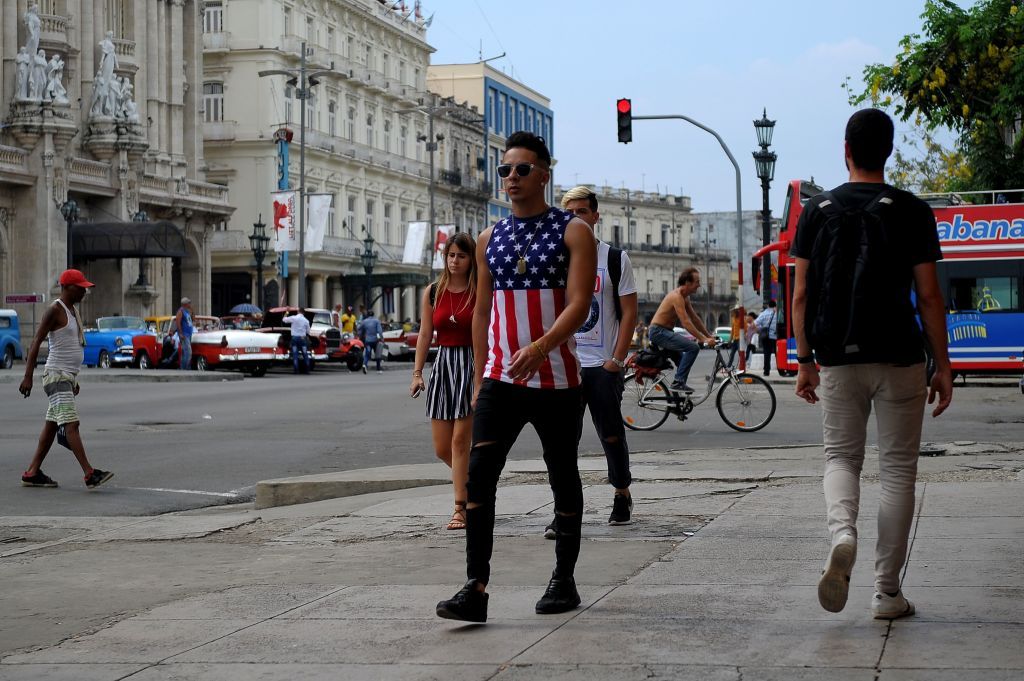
(645, 404)
(746, 404)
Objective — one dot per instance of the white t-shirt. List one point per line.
(595, 341)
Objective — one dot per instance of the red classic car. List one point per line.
(323, 339)
(401, 345)
(216, 347)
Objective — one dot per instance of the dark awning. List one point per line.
(160, 239)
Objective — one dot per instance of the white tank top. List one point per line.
(66, 352)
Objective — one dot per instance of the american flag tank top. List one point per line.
(529, 265)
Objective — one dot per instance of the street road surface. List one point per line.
(177, 446)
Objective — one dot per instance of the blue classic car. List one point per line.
(109, 343)
(10, 339)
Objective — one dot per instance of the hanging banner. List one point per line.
(318, 210)
(415, 239)
(440, 239)
(286, 229)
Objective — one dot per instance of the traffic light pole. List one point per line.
(739, 217)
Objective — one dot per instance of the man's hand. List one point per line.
(525, 363)
(611, 367)
(942, 385)
(807, 381)
(26, 386)
(76, 389)
(711, 341)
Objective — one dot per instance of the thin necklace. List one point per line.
(521, 263)
(451, 298)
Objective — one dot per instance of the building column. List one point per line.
(319, 297)
(293, 289)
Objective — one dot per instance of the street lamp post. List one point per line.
(302, 82)
(142, 281)
(368, 257)
(69, 209)
(707, 266)
(764, 162)
(258, 242)
(431, 139)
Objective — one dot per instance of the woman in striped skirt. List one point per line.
(448, 310)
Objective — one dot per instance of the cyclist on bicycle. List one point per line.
(676, 306)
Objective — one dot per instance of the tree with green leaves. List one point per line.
(965, 72)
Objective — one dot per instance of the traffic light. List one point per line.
(624, 107)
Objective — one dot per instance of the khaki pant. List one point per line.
(898, 395)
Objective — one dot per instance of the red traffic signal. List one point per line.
(624, 108)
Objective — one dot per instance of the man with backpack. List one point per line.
(602, 344)
(767, 333)
(859, 251)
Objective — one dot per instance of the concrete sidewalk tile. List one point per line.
(774, 573)
(728, 549)
(633, 602)
(371, 641)
(974, 499)
(941, 548)
(133, 640)
(512, 500)
(863, 673)
(316, 672)
(711, 642)
(398, 602)
(67, 672)
(770, 527)
(963, 573)
(976, 527)
(240, 603)
(933, 645)
(950, 674)
(967, 604)
(361, 529)
(616, 672)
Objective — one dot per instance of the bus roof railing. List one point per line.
(940, 199)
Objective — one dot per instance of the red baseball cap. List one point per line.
(74, 278)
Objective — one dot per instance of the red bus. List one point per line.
(981, 275)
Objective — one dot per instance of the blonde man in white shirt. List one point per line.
(602, 344)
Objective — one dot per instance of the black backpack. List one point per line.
(615, 273)
(847, 279)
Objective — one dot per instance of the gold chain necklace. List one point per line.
(521, 263)
(451, 298)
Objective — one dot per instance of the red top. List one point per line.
(457, 306)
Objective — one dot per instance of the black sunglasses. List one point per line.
(522, 169)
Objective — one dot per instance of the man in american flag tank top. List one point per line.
(536, 272)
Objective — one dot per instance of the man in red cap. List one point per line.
(63, 330)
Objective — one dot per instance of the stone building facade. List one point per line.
(658, 232)
(366, 144)
(108, 121)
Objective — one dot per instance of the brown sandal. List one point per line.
(458, 521)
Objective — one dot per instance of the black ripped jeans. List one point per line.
(502, 410)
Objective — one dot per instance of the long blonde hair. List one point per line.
(466, 244)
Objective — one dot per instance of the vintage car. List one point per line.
(214, 346)
(10, 339)
(323, 338)
(347, 348)
(111, 342)
(400, 345)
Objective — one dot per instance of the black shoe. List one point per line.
(40, 479)
(468, 605)
(561, 596)
(550, 532)
(364, 368)
(97, 478)
(767, 373)
(681, 387)
(622, 507)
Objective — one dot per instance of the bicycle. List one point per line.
(745, 402)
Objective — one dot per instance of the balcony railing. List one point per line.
(124, 48)
(13, 158)
(219, 131)
(217, 42)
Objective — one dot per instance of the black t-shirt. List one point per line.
(910, 229)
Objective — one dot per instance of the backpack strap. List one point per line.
(829, 204)
(433, 293)
(615, 273)
(884, 198)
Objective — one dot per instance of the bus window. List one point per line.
(985, 294)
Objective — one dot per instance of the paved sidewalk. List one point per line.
(715, 580)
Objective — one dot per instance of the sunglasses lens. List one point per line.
(504, 171)
(523, 169)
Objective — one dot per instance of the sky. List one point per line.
(720, 63)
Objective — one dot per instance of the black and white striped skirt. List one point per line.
(450, 393)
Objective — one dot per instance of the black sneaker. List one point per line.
(550, 532)
(561, 596)
(97, 478)
(468, 605)
(40, 479)
(681, 387)
(622, 507)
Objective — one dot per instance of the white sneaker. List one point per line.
(885, 607)
(834, 585)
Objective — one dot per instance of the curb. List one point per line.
(139, 376)
(319, 487)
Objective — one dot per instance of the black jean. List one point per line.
(502, 411)
(602, 393)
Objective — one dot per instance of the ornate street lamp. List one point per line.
(258, 242)
(764, 163)
(69, 209)
(142, 281)
(368, 257)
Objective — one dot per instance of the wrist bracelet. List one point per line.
(417, 372)
(536, 347)
(806, 359)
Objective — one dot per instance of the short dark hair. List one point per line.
(687, 276)
(869, 132)
(531, 142)
(772, 303)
